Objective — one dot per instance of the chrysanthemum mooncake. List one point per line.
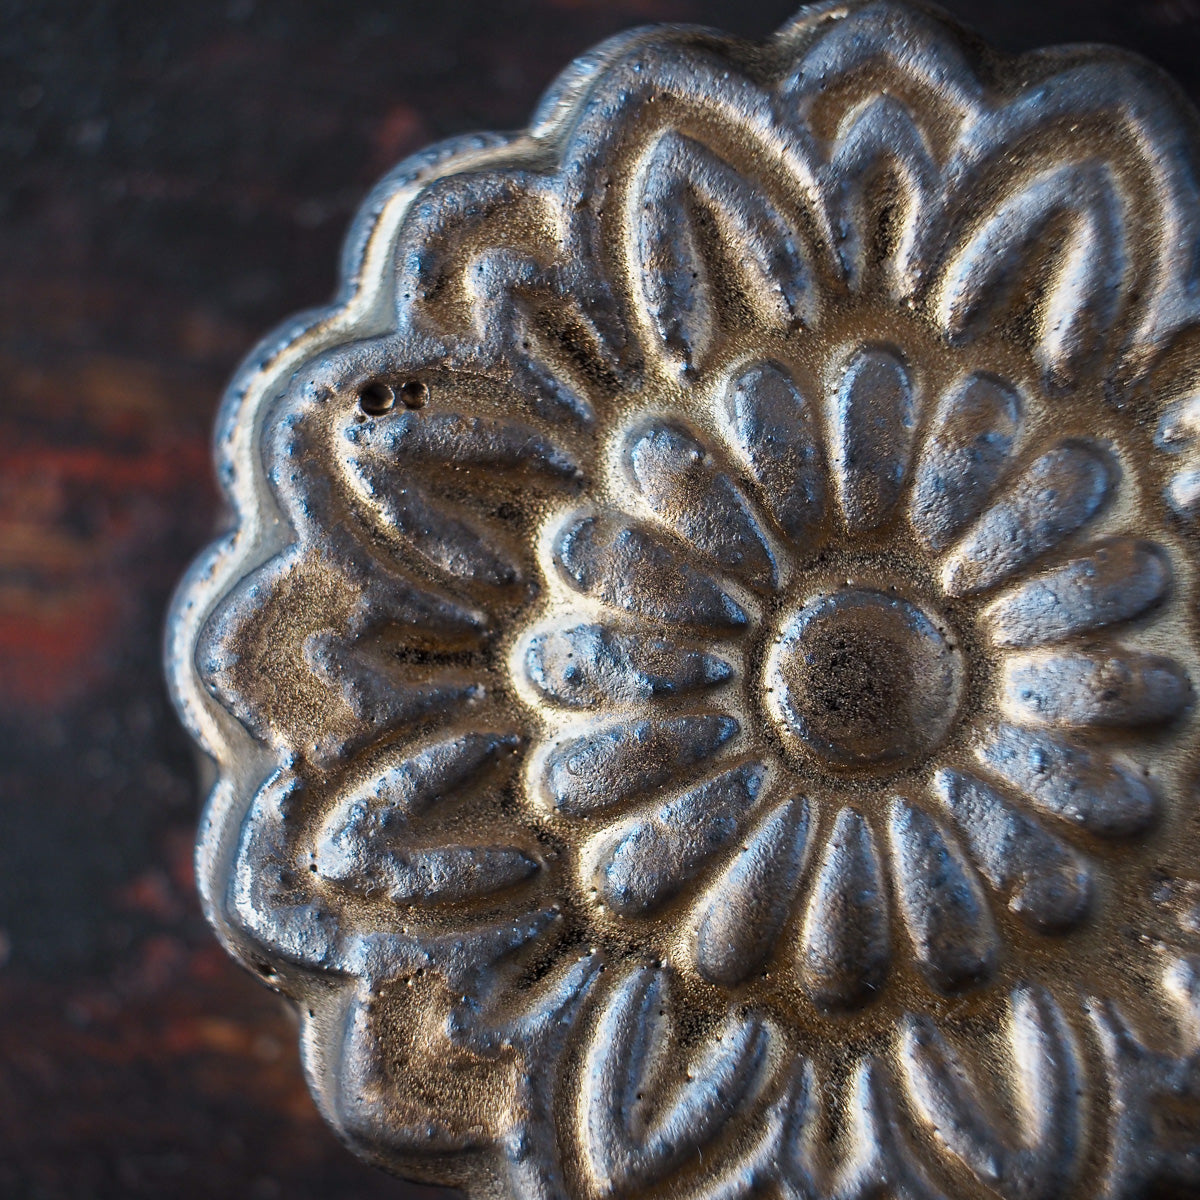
(701, 677)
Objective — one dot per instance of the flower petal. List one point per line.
(583, 666)
(940, 901)
(846, 946)
(629, 568)
(1069, 221)
(462, 548)
(1070, 782)
(600, 769)
(635, 1126)
(648, 859)
(1046, 883)
(442, 874)
(1118, 581)
(774, 428)
(974, 430)
(1093, 688)
(684, 487)
(880, 39)
(745, 909)
(680, 177)
(1055, 496)
(873, 427)
(881, 174)
(1035, 1159)
(401, 439)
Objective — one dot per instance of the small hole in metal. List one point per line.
(414, 393)
(376, 398)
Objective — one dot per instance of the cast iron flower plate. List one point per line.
(700, 680)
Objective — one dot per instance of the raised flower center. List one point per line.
(863, 678)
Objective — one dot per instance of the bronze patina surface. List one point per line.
(701, 681)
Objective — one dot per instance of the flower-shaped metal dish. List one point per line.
(701, 678)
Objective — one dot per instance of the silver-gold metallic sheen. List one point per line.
(699, 681)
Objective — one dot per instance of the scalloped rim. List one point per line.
(235, 765)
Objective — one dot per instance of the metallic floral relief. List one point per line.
(701, 678)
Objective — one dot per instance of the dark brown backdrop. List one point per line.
(175, 179)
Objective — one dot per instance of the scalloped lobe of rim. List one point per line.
(883, 141)
(1084, 293)
(676, 283)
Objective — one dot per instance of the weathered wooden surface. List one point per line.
(172, 184)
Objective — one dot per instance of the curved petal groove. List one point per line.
(636, 1127)
(883, 144)
(1084, 292)
(420, 779)
(368, 682)
(461, 548)
(673, 258)
(1031, 1157)
(435, 875)
(403, 438)
(880, 38)
(879, 1153)
(362, 824)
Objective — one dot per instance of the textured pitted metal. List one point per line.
(701, 675)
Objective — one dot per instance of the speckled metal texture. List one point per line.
(701, 680)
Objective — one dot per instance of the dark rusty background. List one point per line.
(174, 180)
